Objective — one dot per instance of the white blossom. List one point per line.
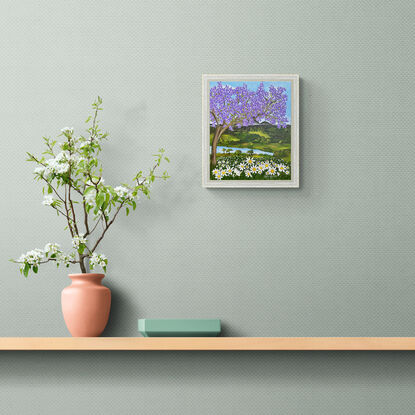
(98, 259)
(48, 200)
(124, 193)
(64, 258)
(52, 248)
(90, 197)
(121, 191)
(57, 165)
(84, 144)
(40, 170)
(78, 240)
(32, 257)
(67, 130)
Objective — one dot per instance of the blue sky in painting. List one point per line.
(253, 85)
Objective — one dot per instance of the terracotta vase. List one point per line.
(86, 305)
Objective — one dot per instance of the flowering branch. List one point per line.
(76, 170)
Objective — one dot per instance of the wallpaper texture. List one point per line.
(333, 258)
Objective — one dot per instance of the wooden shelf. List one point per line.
(207, 343)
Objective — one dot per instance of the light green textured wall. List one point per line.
(333, 258)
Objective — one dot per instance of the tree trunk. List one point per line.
(218, 132)
(82, 263)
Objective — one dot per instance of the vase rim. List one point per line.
(86, 275)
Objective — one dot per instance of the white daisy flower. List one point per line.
(248, 173)
(249, 161)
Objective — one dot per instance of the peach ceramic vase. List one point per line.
(86, 305)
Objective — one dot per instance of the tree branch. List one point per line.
(67, 213)
(96, 224)
(73, 211)
(70, 187)
(215, 117)
(107, 227)
(85, 218)
(73, 261)
(56, 192)
(62, 213)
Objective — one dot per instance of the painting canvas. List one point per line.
(250, 131)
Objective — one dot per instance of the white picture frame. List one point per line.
(294, 167)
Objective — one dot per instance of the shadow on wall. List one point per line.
(123, 314)
(229, 331)
(22, 368)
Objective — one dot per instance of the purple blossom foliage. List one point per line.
(236, 107)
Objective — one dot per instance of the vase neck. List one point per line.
(81, 279)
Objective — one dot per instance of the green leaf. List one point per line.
(35, 269)
(81, 248)
(50, 189)
(26, 269)
(127, 211)
(100, 199)
(88, 119)
(89, 189)
(134, 204)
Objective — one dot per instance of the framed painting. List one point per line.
(250, 131)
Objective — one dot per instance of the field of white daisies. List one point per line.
(254, 167)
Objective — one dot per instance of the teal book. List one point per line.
(179, 327)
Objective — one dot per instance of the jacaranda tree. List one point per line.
(236, 107)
